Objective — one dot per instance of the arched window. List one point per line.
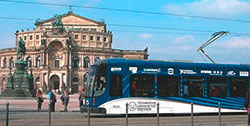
(86, 62)
(38, 59)
(4, 63)
(75, 62)
(97, 59)
(29, 61)
(75, 80)
(11, 62)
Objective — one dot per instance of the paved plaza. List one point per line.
(23, 113)
(79, 119)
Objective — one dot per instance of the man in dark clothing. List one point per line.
(65, 100)
(247, 105)
(52, 98)
(81, 98)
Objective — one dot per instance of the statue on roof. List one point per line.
(70, 9)
(21, 49)
(57, 22)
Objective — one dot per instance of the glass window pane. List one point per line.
(238, 87)
(115, 85)
(142, 86)
(83, 37)
(217, 86)
(86, 62)
(100, 80)
(31, 37)
(91, 37)
(193, 86)
(168, 86)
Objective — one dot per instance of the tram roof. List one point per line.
(131, 62)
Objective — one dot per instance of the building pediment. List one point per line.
(70, 19)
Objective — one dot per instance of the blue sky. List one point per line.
(162, 44)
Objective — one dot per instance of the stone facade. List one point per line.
(61, 56)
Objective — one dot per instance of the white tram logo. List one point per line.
(132, 106)
(116, 69)
(133, 69)
(244, 73)
(217, 72)
(151, 70)
(182, 71)
(231, 73)
(170, 71)
(142, 106)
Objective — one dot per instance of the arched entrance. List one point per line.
(75, 85)
(54, 82)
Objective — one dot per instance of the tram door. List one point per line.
(238, 87)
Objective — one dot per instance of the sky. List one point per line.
(162, 43)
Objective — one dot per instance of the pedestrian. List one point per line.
(133, 89)
(81, 97)
(52, 98)
(247, 105)
(39, 97)
(65, 100)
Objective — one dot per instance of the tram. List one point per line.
(142, 84)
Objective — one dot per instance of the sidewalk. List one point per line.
(31, 103)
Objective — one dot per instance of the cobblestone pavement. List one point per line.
(23, 112)
(79, 119)
(31, 103)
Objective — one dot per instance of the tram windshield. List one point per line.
(96, 82)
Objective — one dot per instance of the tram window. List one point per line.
(168, 86)
(238, 87)
(193, 86)
(142, 86)
(115, 85)
(100, 85)
(217, 86)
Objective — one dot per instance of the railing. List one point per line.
(15, 115)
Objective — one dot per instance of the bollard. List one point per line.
(49, 114)
(88, 114)
(219, 114)
(7, 114)
(126, 114)
(192, 114)
(158, 114)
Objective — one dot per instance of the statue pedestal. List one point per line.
(18, 84)
(16, 93)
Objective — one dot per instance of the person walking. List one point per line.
(81, 97)
(39, 100)
(52, 98)
(247, 105)
(65, 100)
(133, 89)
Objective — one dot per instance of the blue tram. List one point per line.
(112, 83)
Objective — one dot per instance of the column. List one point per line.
(61, 83)
(47, 59)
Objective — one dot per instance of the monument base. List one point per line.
(16, 93)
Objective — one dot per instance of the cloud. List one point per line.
(145, 36)
(237, 43)
(187, 39)
(211, 7)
